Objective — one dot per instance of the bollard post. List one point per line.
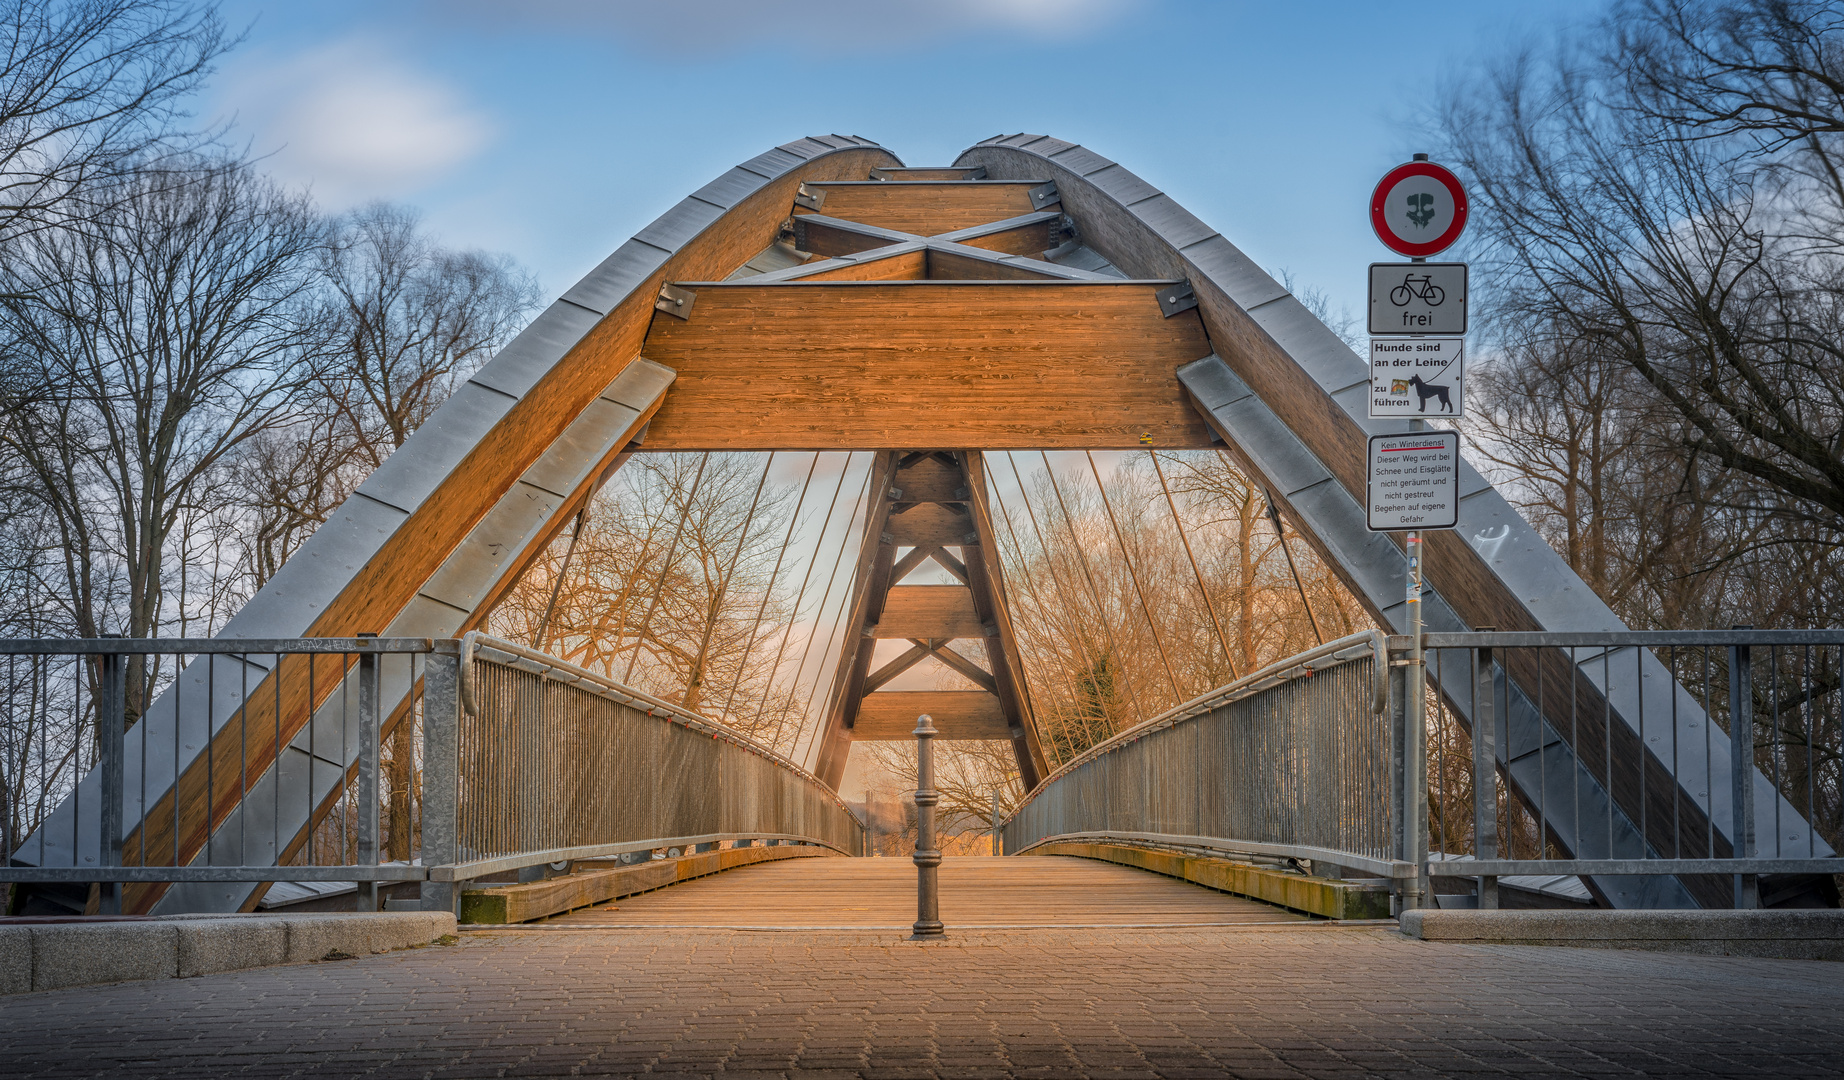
(927, 857)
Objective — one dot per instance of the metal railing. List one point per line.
(1292, 761)
(1731, 779)
(560, 763)
(1306, 760)
(135, 764)
(180, 775)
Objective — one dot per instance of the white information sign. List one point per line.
(1418, 298)
(1414, 481)
(1418, 378)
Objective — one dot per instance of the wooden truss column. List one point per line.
(934, 501)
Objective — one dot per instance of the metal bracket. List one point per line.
(810, 198)
(675, 301)
(1176, 298)
(1044, 195)
(895, 494)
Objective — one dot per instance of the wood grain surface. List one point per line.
(975, 892)
(890, 715)
(834, 366)
(925, 208)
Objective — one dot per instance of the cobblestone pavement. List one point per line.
(1252, 1002)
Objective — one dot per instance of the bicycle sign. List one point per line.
(1418, 298)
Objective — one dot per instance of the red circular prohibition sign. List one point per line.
(1410, 248)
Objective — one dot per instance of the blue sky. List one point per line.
(554, 129)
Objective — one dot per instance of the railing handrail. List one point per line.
(474, 641)
(1299, 665)
(1588, 639)
(126, 646)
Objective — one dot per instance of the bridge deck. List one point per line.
(984, 893)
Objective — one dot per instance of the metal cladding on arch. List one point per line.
(1287, 395)
(431, 540)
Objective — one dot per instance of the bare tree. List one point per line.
(90, 89)
(414, 318)
(1676, 204)
(158, 340)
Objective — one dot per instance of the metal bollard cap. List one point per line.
(925, 726)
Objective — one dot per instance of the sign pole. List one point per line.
(1415, 730)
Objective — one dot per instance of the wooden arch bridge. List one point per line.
(824, 296)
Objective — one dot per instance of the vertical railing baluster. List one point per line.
(111, 707)
(1741, 754)
(1485, 774)
(441, 770)
(368, 773)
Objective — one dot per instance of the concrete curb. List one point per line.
(55, 956)
(1788, 934)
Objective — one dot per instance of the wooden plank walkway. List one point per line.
(976, 893)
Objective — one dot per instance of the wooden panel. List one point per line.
(385, 585)
(930, 525)
(1033, 239)
(913, 173)
(909, 266)
(954, 266)
(929, 611)
(925, 208)
(815, 233)
(931, 479)
(958, 714)
(1024, 365)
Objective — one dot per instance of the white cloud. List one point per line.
(706, 26)
(353, 120)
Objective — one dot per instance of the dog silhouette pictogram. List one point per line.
(1428, 390)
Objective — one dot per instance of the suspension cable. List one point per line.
(672, 552)
(1280, 533)
(750, 645)
(724, 579)
(845, 599)
(1178, 695)
(774, 671)
(1024, 570)
(1088, 572)
(1063, 589)
(576, 533)
(1195, 572)
(819, 612)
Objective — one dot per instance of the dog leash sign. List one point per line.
(1419, 378)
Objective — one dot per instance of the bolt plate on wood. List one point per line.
(1176, 298)
(675, 301)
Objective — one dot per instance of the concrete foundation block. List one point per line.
(84, 954)
(319, 936)
(210, 946)
(15, 959)
(1789, 934)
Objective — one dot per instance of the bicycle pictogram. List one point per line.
(1428, 292)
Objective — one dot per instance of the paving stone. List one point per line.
(1316, 1001)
